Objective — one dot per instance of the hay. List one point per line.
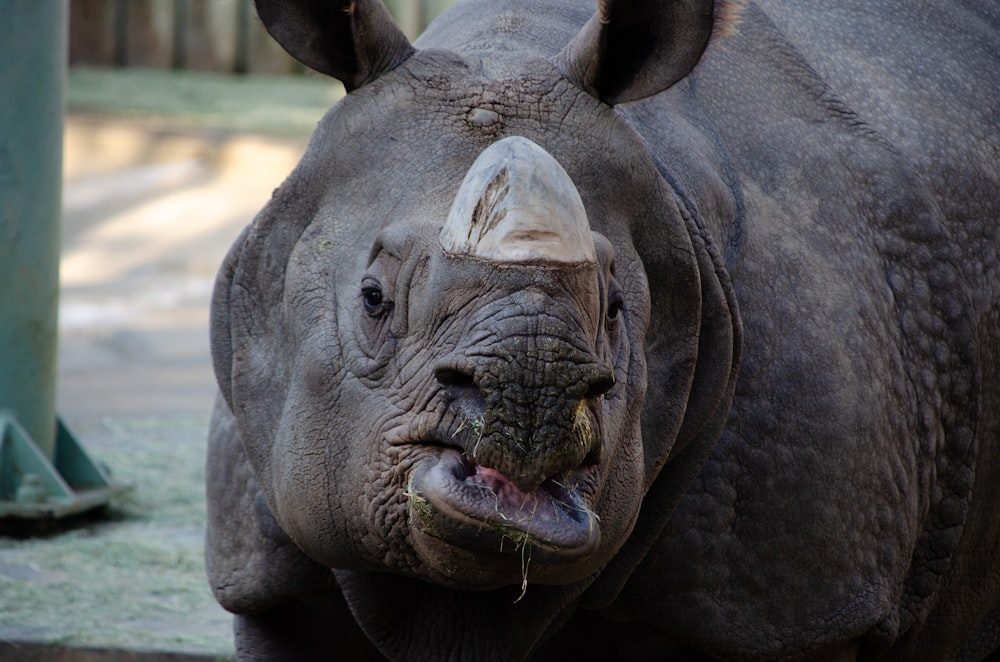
(136, 579)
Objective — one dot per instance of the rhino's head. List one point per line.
(522, 325)
(434, 337)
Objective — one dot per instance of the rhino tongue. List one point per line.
(510, 498)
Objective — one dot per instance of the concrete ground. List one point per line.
(150, 211)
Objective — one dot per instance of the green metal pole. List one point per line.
(32, 80)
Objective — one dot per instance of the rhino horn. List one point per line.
(517, 204)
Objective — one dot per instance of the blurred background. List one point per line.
(182, 116)
(196, 35)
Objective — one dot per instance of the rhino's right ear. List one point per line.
(632, 49)
(355, 41)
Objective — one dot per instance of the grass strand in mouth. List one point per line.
(525, 562)
(418, 504)
(584, 509)
(478, 427)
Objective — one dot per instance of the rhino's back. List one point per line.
(926, 76)
(858, 474)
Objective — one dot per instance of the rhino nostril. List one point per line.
(601, 385)
(450, 377)
(462, 390)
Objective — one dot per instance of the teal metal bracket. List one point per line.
(45, 475)
(33, 487)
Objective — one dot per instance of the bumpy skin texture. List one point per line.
(800, 455)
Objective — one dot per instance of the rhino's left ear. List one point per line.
(355, 41)
(632, 49)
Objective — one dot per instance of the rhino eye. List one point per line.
(371, 295)
(616, 301)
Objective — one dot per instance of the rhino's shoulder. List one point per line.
(252, 564)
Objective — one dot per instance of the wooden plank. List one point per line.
(91, 33)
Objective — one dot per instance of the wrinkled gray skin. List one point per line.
(798, 455)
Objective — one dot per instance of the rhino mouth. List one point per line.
(476, 507)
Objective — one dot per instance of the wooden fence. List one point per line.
(204, 35)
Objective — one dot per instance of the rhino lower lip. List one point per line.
(472, 506)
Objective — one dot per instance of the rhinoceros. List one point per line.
(621, 330)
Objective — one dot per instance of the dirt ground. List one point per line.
(150, 211)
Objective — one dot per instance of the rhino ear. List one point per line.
(632, 49)
(355, 41)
